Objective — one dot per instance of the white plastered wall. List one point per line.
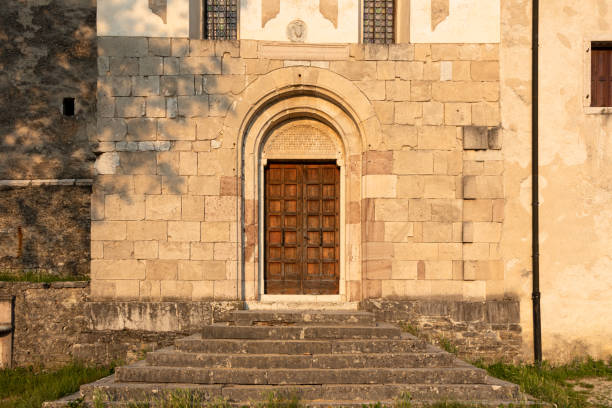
(319, 29)
(134, 18)
(468, 21)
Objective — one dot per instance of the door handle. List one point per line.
(282, 237)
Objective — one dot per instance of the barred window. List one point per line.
(221, 19)
(378, 21)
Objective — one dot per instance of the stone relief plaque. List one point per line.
(296, 31)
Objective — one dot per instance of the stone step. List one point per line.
(330, 361)
(194, 375)
(197, 344)
(109, 390)
(298, 317)
(380, 331)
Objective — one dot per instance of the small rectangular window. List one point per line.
(220, 19)
(68, 106)
(378, 21)
(601, 75)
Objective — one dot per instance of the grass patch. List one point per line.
(38, 277)
(447, 345)
(549, 383)
(29, 388)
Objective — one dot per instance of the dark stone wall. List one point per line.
(488, 331)
(47, 52)
(55, 324)
(45, 229)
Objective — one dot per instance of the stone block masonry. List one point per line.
(57, 323)
(166, 210)
(45, 229)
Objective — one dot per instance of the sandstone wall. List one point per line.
(166, 215)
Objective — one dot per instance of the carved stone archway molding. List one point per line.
(272, 106)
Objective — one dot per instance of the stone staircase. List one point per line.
(323, 358)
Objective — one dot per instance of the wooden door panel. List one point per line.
(302, 206)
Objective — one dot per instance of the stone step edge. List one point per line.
(440, 359)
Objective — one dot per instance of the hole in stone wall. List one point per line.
(68, 106)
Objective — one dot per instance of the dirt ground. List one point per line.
(600, 395)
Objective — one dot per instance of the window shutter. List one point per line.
(601, 76)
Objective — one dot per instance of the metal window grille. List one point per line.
(378, 21)
(221, 19)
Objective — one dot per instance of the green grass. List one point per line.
(549, 383)
(29, 387)
(37, 277)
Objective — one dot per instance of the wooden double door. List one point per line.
(302, 228)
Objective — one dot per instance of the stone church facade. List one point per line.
(325, 152)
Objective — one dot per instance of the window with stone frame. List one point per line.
(221, 19)
(601, 75)
(378, 21)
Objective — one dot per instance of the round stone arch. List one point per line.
(292, 97)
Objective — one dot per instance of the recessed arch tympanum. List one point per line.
(263, 124)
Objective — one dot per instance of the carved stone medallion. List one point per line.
(296, 31)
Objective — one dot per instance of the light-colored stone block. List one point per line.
(486, 114)
(380, 269)
(119, 250)
(202, 251)
(192, 208)
(163, 207)
(475, 187)
(176, 129)
(378, 250)
(146, 249)
(176, 290)
(485, 70)
(399, 231)
(380, 186)
(439, 187)
(225, 251)
(412, 162)
(183, 231)
(215, 231)
(108, 230)
(204, 185)
(147, 230)
(437, 232)
(162, 270)
(437, 137)
(407, 113)
(117, 269)
(439, 270)
(174, 250)
(221, 208)
(409, 70)
(203, 290)
(410, 186)
(226, 290)
(458, 114)
(419, 210)
(124, 207)
(415, 251)
(391, 209)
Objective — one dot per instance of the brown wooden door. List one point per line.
(302, 248)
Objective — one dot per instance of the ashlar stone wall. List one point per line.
(166, 210)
